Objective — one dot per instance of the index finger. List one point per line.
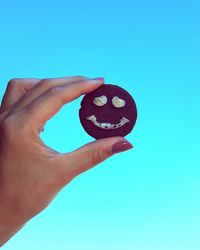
(48, 104)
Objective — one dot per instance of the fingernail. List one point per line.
(98, 78)
(121, 147)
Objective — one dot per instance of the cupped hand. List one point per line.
(31, 173)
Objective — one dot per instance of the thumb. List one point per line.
(88, 156)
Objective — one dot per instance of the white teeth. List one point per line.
(117, 102)
(100, 101)
(93, 118)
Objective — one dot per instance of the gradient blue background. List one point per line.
(147, 198)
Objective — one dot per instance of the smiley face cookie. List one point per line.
(108, 111)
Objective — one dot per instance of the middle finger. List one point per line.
(43, 86)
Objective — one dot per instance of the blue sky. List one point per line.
(144, 199)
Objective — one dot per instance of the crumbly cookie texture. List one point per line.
(100, 101)
(118, 102)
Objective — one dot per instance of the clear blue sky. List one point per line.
(144, 199)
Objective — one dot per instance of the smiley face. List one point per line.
(108, 111)
(117, 103)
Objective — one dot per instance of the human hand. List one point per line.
(31, 173)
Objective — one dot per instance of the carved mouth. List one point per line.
(121, 123)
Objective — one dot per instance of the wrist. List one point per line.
(10, 221)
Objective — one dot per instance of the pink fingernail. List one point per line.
(121, 147)
(98, 78)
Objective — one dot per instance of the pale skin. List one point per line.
(31, 173)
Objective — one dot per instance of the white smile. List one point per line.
(93, 119)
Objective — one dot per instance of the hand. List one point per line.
(31, 173)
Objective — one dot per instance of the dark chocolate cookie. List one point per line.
(108, 111)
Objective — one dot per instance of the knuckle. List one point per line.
(13, 82)
(83, 86)
(13, 125)
(45, 83)
(99, 155)
(6, 125)
(54, 90)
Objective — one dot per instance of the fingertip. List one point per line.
(99, 79)
(91, 84)
(115, 144)
(121, 147)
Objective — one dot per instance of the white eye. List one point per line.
(117, 102)
(100, 101)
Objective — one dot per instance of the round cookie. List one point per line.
(108, 111)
